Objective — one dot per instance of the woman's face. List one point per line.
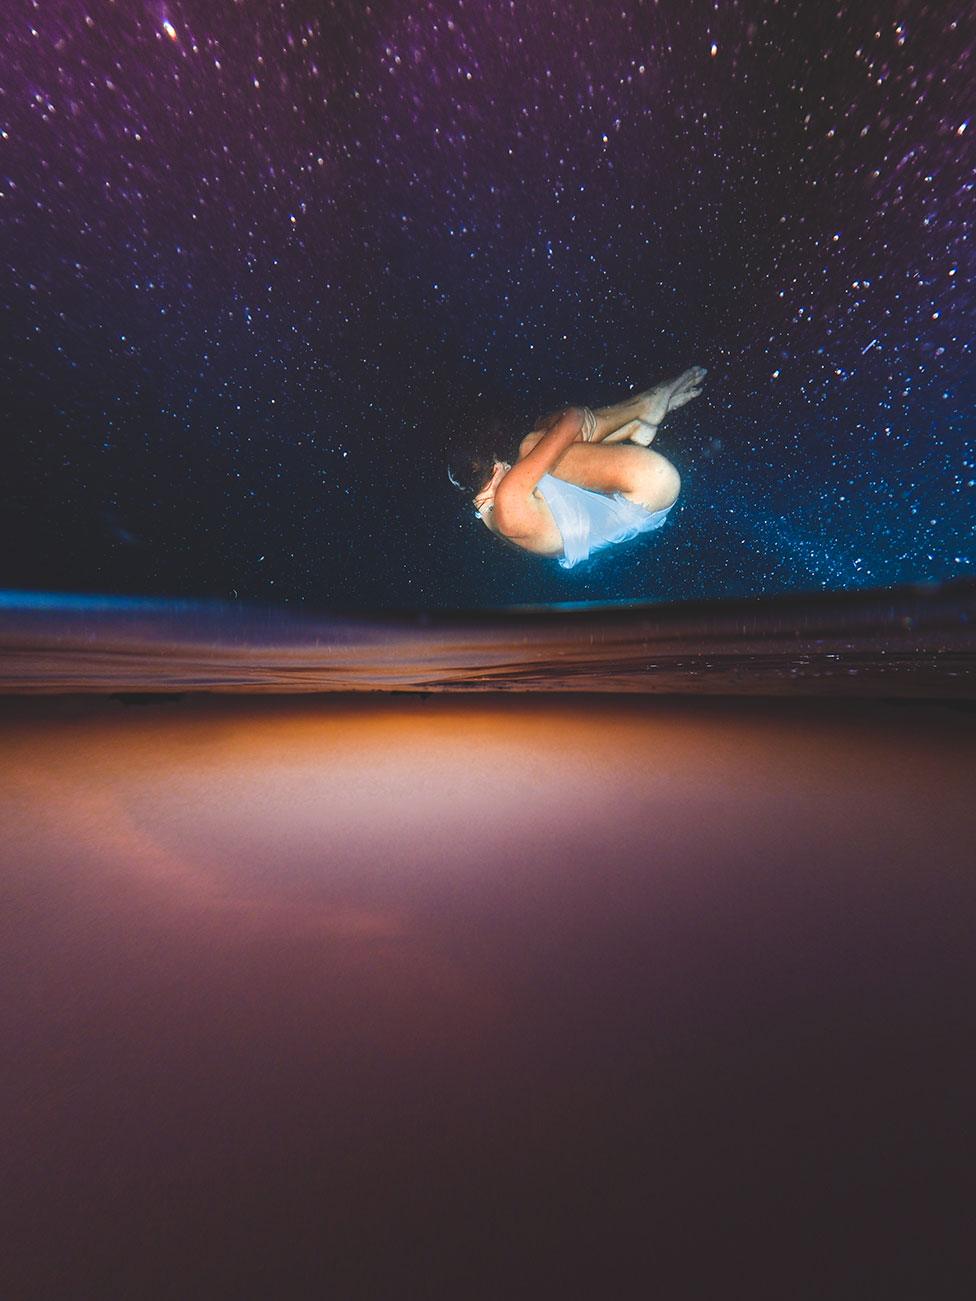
(485, 500)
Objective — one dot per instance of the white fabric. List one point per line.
(589, 520)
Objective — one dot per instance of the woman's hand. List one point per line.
(587, 428)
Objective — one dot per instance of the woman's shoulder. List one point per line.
(530, 525)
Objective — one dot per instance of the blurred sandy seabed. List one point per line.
(369, 993)
(915, 642)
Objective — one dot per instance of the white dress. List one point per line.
(589, 520)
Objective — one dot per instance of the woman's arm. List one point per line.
(514, 493)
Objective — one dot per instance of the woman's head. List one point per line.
(475, 465)
(478, 475)
(470, 467)
(484, 501)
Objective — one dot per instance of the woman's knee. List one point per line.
(655, 483)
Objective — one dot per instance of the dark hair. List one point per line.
(469, 466)
(475, 447)
(472, 456)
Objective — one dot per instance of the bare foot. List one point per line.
(658, 401)
(642, 433)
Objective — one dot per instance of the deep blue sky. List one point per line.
(260, 263)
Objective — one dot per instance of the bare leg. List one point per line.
(609, 429)
(633, 431)
(640, 473)
(636, 419)
(645, 412)
(616, 424)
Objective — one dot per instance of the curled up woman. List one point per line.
(583, 479)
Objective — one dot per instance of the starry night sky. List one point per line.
(262, 262)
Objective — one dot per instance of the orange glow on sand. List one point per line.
(280, 970)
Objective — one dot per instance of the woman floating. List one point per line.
(583, 479)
